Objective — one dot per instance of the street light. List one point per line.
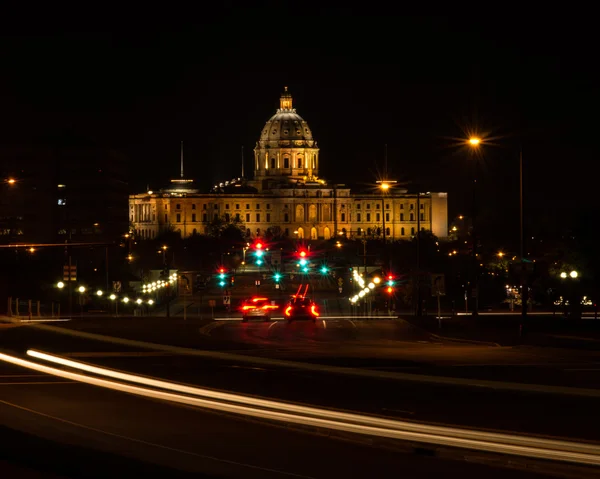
(81, 289)
(60, 285)
(573, 274)
(99, 292)
(474, 143)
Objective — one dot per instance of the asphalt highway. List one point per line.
(69, 429)
(372, 347)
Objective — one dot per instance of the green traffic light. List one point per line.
(277, 277)
(324, 270)
(305, 269)
(259, 262)
(222, 283)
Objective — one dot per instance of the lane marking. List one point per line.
(365, 425)
(153, 444)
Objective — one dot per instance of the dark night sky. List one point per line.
(143, 83)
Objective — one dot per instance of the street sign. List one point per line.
(340, 281)
(226, 300)
(438, 285)
(116, 286)
(257, 282)
(73, 272)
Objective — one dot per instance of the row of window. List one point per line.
(299, 163)
(148, 234)
(216, 206)
(387, 206)
(387, 217)
(268, 206)
(286, 218)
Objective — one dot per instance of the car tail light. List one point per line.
(269, 306)
(288, 311)
(247, 307)
(313, 310)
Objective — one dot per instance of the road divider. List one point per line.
(540, 448)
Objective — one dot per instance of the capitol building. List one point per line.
(286, 196)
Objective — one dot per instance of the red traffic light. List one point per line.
(302, 254)
(221, 270)
(390, 290)
(258, 245)
(390, 277)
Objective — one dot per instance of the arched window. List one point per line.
(286, 162)
(412, 231)
(299, 162)
(387, 231)
(402, 231)
(314, 162)
(369, 231)
(273, 163)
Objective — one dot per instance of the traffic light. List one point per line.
(259, 252)
(302, 255)
(324, 269)
(390, 284)
(277, 277)
(222, 277)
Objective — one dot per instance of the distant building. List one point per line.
(53, 193)
(287, 197)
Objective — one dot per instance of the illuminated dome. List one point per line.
(286, 151)
(286, 127)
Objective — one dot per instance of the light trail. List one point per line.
(354, 423)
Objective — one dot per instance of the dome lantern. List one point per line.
(285, 102)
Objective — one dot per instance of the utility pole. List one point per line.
(524, 286)
(418, 272)
(475, 276)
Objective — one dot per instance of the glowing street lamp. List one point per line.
(60, 285)
(474, 141)
(99, 292)
(81, 289)
(573, 274)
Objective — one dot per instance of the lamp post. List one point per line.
(474, 143)
(524, 286)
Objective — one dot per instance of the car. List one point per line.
(301, 307)
(257, 307)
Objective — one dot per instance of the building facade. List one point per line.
(286, 197)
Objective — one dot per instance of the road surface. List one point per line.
(37, 405)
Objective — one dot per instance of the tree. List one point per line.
(231, 229)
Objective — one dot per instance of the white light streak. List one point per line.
(322, 418)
